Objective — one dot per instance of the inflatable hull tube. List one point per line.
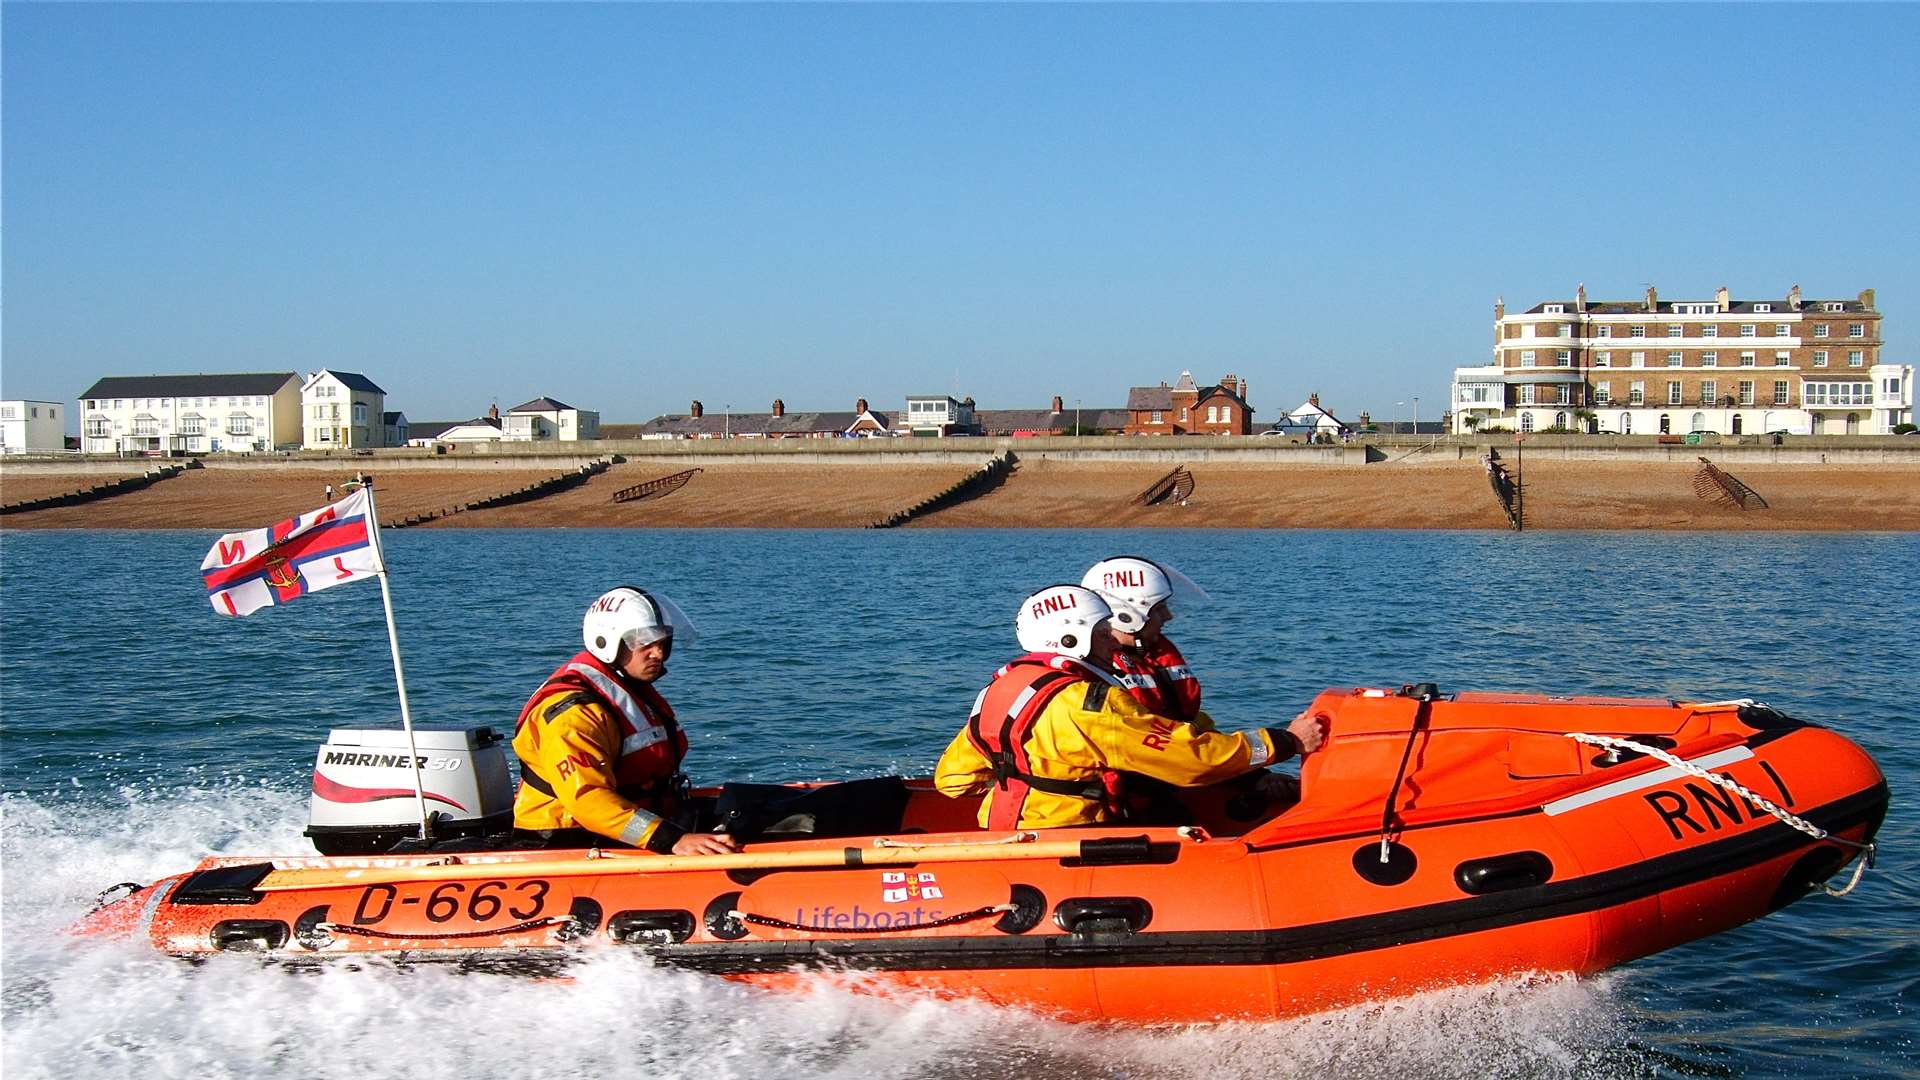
(1510, 848)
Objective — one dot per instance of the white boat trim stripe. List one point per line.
(1646, 780)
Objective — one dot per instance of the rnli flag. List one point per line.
(247, 571)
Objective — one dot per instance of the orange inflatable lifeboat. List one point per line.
(1437, 840)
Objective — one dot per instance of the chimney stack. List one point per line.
(493, 411)
(1499, 308)
(1721, 296)
(1793, 298)
(1580, 299)
(1313, 400)
(1653, 299)
(779, 408)
(1366, 418)
(1866, 299)
(1058, 405)
(697, 411)
(860, 405)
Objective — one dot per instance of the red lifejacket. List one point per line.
(652, 746)
(1159, 679)
(1003, 717)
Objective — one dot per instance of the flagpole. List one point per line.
(393, 642)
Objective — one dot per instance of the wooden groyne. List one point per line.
(539, 489)
(976, 483)
(100, 491)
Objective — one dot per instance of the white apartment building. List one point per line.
(191, 414)
(544, 419)
(32, 427)
(1731, 367)
(342, 410)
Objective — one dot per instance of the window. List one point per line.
(1564, 395)
(1748, 329)
(1676, 330)
(8, 412)
(193, 424)
(1709, 359)
(1856, 357)
(1560, 420)
(1836, 393)
(1526, 421)
(1606, 331)
(1748, 359)
(1673, 393)
(1526, 358)
(1696, 309)
(1709, 331)
(1746, 391)
(119, 403)
(1762, 309)
(239, 424)
(93, 403)
(1638, 359)
(1779, 391)
(1154, 417)
(1638, 331)
(1857, 330)
(1782, 358)
(1674, 359)
(1819, 358)
(1603, 359)
(1820, 330)
(145, 425)
(1183, 413)
(1563, 358)
(359, 412)
(1602, 393)
(1526, 394)
(1566, 330)
(1636, 393)
(1782, 330)
(99, 428)
(1554, 309)
(1709, 393)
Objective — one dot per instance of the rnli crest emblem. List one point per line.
(901, 887)
(280, 573)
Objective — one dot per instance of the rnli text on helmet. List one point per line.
(1123, 579)
(1047, 605)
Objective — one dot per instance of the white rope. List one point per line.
(1729, 784)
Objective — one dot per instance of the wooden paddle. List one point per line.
(580, 866)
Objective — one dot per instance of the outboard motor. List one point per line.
(363, 800)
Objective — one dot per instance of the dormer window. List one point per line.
(1834, 305)
(1554, 309)
(1762, 308)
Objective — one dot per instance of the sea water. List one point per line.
(142, 731)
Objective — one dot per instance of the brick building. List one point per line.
(1186, 408)
(1672, 366)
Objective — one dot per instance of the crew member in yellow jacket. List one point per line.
(1050, 736)
(599, 748)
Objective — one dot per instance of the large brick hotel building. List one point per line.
(1674, 366)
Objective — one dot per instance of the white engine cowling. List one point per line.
(363, 799)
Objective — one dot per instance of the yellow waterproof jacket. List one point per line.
(571, 744)
(1090, 727)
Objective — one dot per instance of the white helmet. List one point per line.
(1060, 619)
(636, 618)
(1132, 586)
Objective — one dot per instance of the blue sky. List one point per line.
(628, 207)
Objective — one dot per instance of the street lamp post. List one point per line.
(1416, 416)
(1076, 418)
(1397, 406)
(726, 421)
